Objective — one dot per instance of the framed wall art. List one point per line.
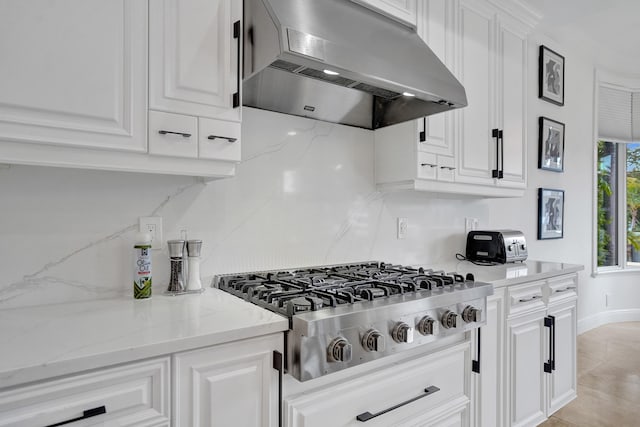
(551, 76)
(551, 145)
(550, 214)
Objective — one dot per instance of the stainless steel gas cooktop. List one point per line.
(345, 315)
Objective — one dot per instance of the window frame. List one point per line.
(603, 78)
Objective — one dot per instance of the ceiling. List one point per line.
(608, 31)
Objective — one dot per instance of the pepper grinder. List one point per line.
(176, 253)
(193, 255)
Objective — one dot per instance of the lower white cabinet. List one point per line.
(231, 384)
(562, 383)
(426, 391)
(136, 394)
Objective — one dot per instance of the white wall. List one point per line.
(297, 200)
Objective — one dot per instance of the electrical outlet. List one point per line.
(470, 224)
(402, 228)
(153, 226)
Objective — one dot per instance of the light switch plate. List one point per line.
(153, 226)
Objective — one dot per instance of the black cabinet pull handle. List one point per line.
(501, 137)
(423, 134)
(222, 137)
(86, 414)
(366, 416)
(447, 167)
(495, 133)
(550, 322)
(277, 365)
(475, 364)
(428, 164)
(236, 35)
(183, 134)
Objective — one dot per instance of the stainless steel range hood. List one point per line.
(337, 61)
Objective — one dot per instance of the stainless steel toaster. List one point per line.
(498, 246)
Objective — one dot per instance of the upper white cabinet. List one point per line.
(479, 150)
(400, 10)
(492, 137)
(74, 81)
(74, 73)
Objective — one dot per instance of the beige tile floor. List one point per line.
(608, 379)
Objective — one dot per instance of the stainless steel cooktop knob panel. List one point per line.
(471, 314)
(448, 319)
(339, 350)
(373, 340)
(402, 333)
(425, 325)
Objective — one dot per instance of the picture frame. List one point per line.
(550, 145)
(550, 213)
(551, 76)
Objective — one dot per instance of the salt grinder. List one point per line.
(176, 253)
(193, 255)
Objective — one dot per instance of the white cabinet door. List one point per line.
(512, 75)
(562, 383)
(227, 385)
(476, 157)
(400, 10)
(526, 353)
(487, 384)
(193, 57)
(74, 73)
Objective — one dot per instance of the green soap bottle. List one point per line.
(142, 266)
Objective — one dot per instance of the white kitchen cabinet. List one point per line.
(232, 384)
(73, 74)
(479, 150)
(400, 10)
(486, 387)
(431, 391)
(194, 57)
(136, 394)
(493, 68)
(525, 378)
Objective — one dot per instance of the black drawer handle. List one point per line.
(531, 298)
(431, 165)
(366, 416)
(183, 134)
(222, 137)
(86, 414)
(447, 167)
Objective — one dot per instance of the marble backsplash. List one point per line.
(303, 195)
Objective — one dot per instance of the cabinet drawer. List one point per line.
(219, 139)
(561, 288)
(135, 394)
(527, 297)
(446, 167)
(340, 404)
(427, 165)
(173, 135)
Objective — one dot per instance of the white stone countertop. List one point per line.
(52, 340)
(513, 273)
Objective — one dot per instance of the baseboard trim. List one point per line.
(605, 317)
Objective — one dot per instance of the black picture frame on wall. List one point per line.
(550, 145)
(551, 76)
(550, 214)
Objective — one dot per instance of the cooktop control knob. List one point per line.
(402, 333)
(373, 340)
(425, 325)
(471, 314)
(448, 319)
(339, 350)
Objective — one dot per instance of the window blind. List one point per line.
(614, 115)
(635, 116)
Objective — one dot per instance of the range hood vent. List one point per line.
(337, 61)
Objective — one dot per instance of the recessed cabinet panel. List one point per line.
(477, 36)
(513, 92)
(193, 57)
(74, 73)
(563, 383)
